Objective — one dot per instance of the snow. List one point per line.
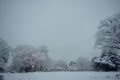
(104, 60)
(62, 76)
(108, 33)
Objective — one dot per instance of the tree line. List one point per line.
(28, 58)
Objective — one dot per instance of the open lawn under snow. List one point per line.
(62, 76)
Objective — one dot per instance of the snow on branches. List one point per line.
(108, 34)
(104, 60)
(4, 52)
(108, 39)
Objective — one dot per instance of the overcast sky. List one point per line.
(66, 27)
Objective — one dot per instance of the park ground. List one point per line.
(61, 76)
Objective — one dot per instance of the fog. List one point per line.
(66, 27)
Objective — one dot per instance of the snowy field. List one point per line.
(61, 76)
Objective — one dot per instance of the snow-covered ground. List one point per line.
(62, 76)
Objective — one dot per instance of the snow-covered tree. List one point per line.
(109, 61)
(44, 49)
(61, 64)
(20, 56)
(113, 56)
(72, 63)
(25, 56)
(103, 63)
(4, 52)
(83, 63)
(72, 66)
(108, 34)
(51, 65)
(47, 62)
(108, 39)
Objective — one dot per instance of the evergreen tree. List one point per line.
(109, 61)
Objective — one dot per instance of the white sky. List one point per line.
(66, 27)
